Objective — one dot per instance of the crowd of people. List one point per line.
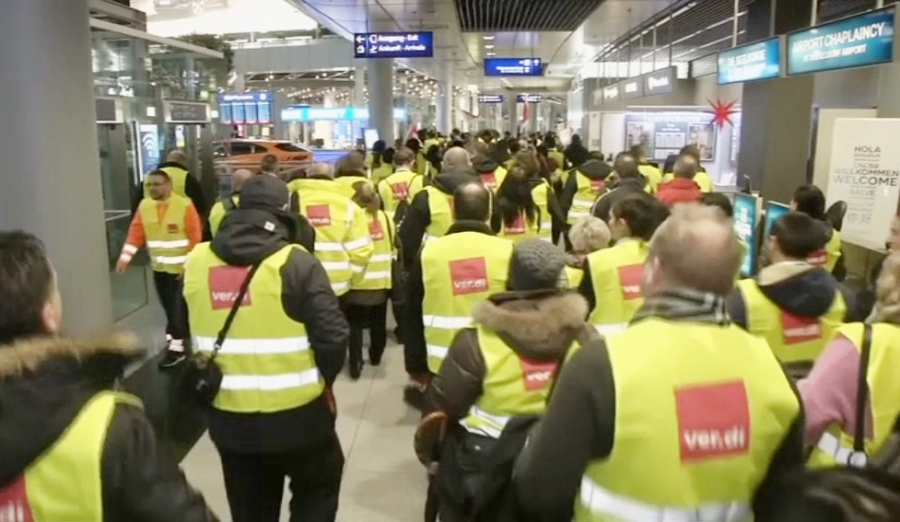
(575, 329)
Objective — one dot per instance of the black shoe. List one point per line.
(171, 359)
(356, 370)
(375, 360)
(414, 396)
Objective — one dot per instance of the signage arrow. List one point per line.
(360, 38)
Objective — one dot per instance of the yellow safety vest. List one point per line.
(217, 213)
(351, 181)
(266, 359)
(559, 157)
(512, 386)
(616, 277)
(520, 229)
(493, 180)
(836, 444)
(65, 482)
(402, 185)
(791, 337)
(702, 180)
(179, 180)
(574, 276)
(707, 417)
(167, 240)
(827, 257)
(378, 173)
(653, 175)
(458, 271)
(541, 196)
(588, 192)
(422, 164)
(440, 204)
(377, 275)
(343, 244)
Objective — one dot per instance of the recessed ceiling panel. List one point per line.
(523, 15)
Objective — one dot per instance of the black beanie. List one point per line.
(535, 265)
(264, 192)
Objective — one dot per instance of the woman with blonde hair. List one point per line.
(587, 235)
(852, 396)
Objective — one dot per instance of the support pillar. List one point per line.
(444, 104)
(777, 115)
(381, 97)
(57, 196)
(358, 97)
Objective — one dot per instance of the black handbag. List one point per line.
(204, 377)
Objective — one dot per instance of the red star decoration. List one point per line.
(722, 112)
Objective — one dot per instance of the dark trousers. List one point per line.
(254, 483)
(168, 288)
(374, 318)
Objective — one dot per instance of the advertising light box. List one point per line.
(866, 39)
(774, 211)
(757, 61)
(746, 215)
(513, 67)
(394, 45)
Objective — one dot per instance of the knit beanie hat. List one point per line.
(535, 265)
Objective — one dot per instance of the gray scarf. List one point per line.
(685, 305)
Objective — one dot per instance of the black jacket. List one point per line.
(306, 297)
(418, 217)
(624, 188)
(593, 170)
(44, 384)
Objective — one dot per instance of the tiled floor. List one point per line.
(383, 481)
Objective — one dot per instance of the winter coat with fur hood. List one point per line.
(539, 327)
(44, 384)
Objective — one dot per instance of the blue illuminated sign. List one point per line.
(746, 215)
(529, 98)
(866, 39)
(490, 98)
(393, 45)
(773, 212)
(513, 67)
(306, 113)
(757, 61)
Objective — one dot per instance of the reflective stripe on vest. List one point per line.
(65, 482)
(167, 240)
(792, 338)
(377, 274)
(836, 444)
(587, 193)
(616, 278)
(266, 359)
(343, 243)
(715, 404)
(458, 271)
(512, 386)
(604, 503)
(179, 181)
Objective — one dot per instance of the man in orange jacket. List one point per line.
(169, 225)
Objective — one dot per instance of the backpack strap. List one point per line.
(858, 458)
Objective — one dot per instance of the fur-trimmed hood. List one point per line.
(44, 383)
(536, 327)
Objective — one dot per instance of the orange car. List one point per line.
(247, 154)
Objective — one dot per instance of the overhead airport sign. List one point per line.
(513, 67)
(865, 39)
(529, 98)
(631, 88)
(307, 113)
(393, 45)
(490, 98)
(611, 93)
(756, 61)
(659, 82)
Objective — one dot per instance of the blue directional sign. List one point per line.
(513, 67)
(490, 98)
(866, 39)
(393, 45)
(757, 61)
(529, 98)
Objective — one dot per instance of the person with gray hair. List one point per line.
(682, 392)
(589, 234)
(456, 157)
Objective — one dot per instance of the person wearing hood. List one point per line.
(274, 415)
(503, 365)
(584, 185)
(491, 172)
(431, 212)
(221, 208)
(793, 304)
(71, 446)
(183, 184)
(449, 275)
(629, 181)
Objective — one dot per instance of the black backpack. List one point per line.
(305, 233)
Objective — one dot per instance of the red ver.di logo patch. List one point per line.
(469, 276)
(489, 179)
(14, 502)
(318, 215)
(713, 420)
(401, 190)
(376, 230)
(517, 227)
(537, 375)
(796, 329)
(630, 279)
(225, 285)
(172, 228)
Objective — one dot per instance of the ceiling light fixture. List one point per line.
(488, 37)
(489, 46)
